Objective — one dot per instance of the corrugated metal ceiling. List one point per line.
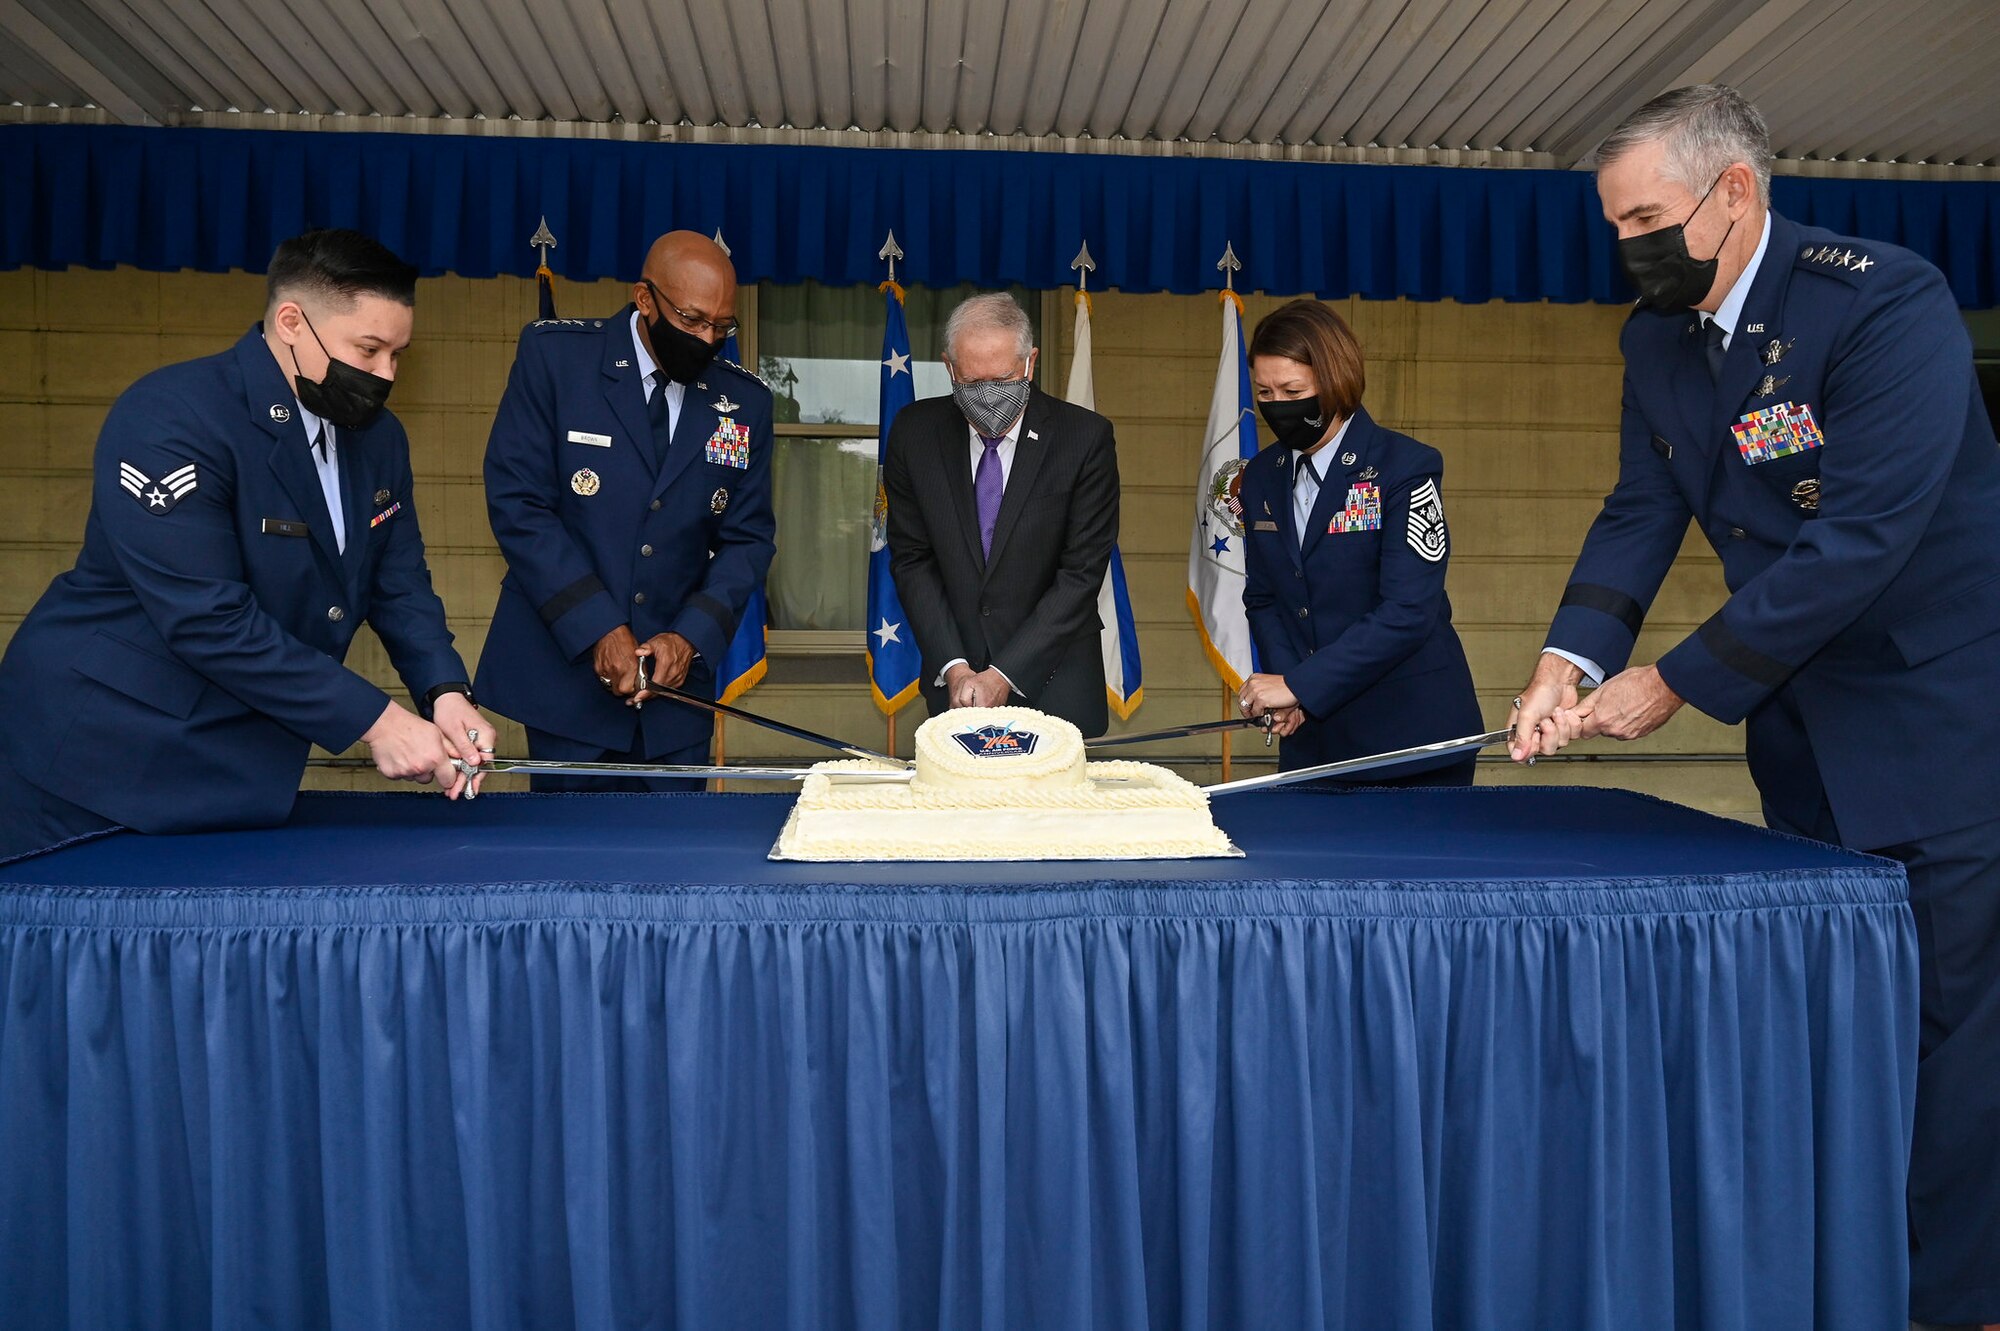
(1875, 80)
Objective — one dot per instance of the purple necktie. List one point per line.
(986, 487)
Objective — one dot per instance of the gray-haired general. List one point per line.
(1808, 400)
(1003, 506)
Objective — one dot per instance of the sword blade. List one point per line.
(1350, 765)
(737, 713)
(1182, 732)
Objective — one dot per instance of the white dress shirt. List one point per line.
(977, 445)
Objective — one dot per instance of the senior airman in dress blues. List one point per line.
(1345, 566)
(628, 482)
(249, 512)
(1808, 400)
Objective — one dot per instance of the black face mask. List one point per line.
(1666, 275)
(348, 398)
(1298, 424)
(681, 355)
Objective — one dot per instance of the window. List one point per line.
(820, 349)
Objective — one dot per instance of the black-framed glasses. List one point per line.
(694, 323)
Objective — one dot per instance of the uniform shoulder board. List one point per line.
(747, 374)
(567, 323)
(1842, 259)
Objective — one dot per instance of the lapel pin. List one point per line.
(1033, 435)
(718, 501)
(1753, 328)
(724, 405)
(1774, 351)
(281, 414)
(381, 497)
(1369, 473)
(621, 365)
(1347, 459)
(584, 482)
(1770, 384)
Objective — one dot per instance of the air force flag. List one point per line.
(893, 659)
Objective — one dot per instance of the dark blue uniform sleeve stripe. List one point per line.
(1740, 656)
(716, 611)
(570, 597)
(1607, 600)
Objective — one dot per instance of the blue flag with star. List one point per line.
(893, 660)
(742, 666)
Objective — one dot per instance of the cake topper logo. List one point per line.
(997, 742)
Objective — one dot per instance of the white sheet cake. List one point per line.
(999, 783)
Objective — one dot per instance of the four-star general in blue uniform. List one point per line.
(1843, 467)
(174, 679)
(1355, 618)
(604, 525)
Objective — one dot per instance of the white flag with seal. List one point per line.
(1215, 551)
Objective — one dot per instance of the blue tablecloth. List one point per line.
(1481, 1058)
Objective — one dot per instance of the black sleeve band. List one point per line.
(570, 597)
(716, 611)
(1740, 656)
(1613, 603)
(451, 686)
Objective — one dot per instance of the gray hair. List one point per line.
(1706, 128)
(990, 310)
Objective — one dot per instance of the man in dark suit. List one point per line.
(248, 512)
(628, 480)
(1808, 400)
(1003, 507)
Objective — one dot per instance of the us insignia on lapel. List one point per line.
(1426, 525)
(730, 444)
(157, 496)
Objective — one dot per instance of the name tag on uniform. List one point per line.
(283, 527)
(1776, 432)
(1261, 525)
(594, 440)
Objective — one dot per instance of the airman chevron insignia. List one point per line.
(157, 496)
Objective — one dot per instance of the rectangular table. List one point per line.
(1506, 1057)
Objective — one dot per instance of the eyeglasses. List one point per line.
(694, 323)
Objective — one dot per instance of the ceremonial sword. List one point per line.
(1347, 766)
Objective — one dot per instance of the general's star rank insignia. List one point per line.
(157, 496)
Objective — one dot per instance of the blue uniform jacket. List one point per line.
(594, 537)
(1861, 637)
(1357, 621)
(173, 680)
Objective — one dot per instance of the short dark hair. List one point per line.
(1310, 333)
(335, 265)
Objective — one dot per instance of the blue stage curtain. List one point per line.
(1588, 1062)
(212, 200)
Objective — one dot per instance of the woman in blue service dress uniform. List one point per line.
(1345, 560)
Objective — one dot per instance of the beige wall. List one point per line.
(1521, 399)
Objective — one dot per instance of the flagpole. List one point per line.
(721, 753)
(1227, 698)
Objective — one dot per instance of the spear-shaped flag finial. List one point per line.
(543, 240)
(722, 244)
(891, 251)
(1228, 265)
(1084, 266)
